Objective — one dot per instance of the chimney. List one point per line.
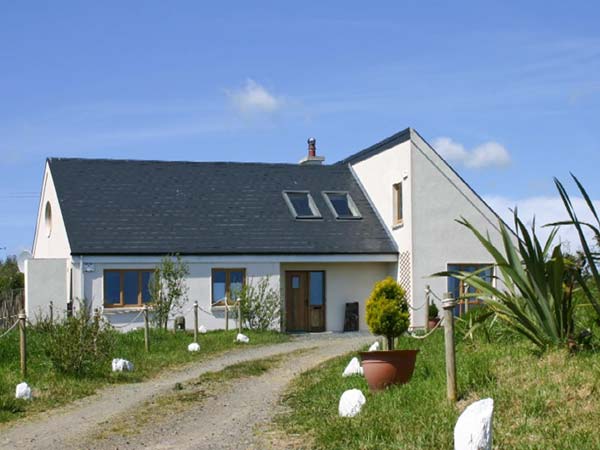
(312, 157)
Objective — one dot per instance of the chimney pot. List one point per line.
(312, 157)
(312, 147)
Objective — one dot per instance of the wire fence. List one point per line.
(12, 327)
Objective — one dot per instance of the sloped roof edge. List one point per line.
(387, 143)
(409, 134)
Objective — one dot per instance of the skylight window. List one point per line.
(301, 205)
(342, 205)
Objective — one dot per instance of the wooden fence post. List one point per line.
(226, 315)
(448, 304)
(51, 312)
(146, 329)
(196, 321)
(23, 343)
(427, 301)
(239, 314)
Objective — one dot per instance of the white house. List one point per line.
(323, 234)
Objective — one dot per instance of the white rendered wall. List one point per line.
(344, 282)
(439, 198)
(433, 197)
(350, 281)
(198, 282)
(54, 244)
(45, 281)
(377, 175)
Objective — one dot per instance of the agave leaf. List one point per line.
(529, 294)
(583, 240)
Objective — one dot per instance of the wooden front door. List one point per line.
(305, 301)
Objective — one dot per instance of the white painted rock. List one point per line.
(202, 329)
(473, 430)
(121, 365)
(242, 338)
(194, 347)
(353, 368)
(351, 402)
(23, 391)
(374, 347)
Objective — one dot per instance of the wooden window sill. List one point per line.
(122, 309)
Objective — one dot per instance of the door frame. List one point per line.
(307, 308)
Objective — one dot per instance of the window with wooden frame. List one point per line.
(398, 210)
(466, 295)
(226, 286)
(126, 287)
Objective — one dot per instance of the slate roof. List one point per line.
(158, 207)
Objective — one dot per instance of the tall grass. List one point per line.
(549, 402)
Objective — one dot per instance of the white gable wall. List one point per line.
(439, 197)
(434, 196)
(377, 175)
(47, 276)
(54, 244)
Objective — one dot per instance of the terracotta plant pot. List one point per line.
(432, 323)
(384, 368)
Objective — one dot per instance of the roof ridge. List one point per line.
(391, 141)
(164, 161)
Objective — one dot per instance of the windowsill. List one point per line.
(349, 218)
(122, 309)
(222, 308)
(398, 225)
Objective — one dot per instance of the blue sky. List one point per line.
(509, 91)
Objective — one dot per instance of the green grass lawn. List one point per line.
(167, 349)
(541, 402)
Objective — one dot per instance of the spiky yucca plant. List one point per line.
(591, 257)
(533, 290)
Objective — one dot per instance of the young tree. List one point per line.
(260, 305)
(10, 277)
(168, 288)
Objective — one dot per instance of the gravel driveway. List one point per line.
(226, 421)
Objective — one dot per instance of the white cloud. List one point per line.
(253, 98)
(545, 210)
(449, 149)
(488, 154)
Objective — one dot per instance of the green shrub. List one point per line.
(387, 310)
(432, 311)
(260, 305)
(78, 345)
